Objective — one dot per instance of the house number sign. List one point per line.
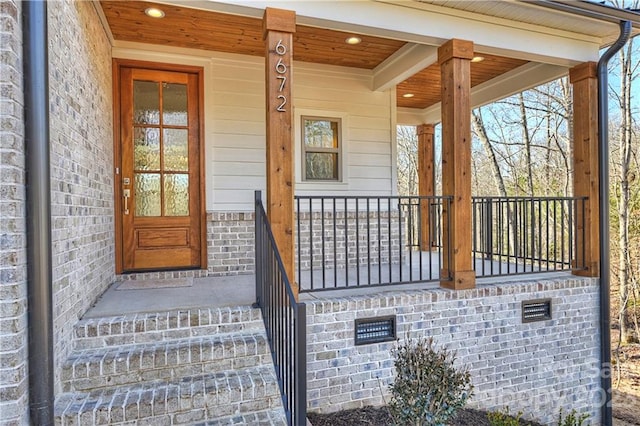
(281, 75)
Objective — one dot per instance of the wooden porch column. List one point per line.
(279, 26)
(584, 79)
(454, 58)
(426, 185)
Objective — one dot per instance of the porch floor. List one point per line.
(421, 267)
(206, 292)
(239, 290)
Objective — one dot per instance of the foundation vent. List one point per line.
(536, 310)
(375, 330)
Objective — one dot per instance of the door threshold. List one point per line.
(165, 275)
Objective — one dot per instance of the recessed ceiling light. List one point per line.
(353, 40)
(477, 59)
(408, 95)
(154, 12)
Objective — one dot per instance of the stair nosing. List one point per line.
(209, 384)
(110, 366)
(139, 328)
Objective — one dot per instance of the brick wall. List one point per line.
(13, 274)
(231, 243)
(357, 238)
(536, 367)
(81, 164)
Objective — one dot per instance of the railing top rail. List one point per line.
(372, 197)
(527, 198)
(435, 197)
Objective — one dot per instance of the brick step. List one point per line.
(197, 399)
(92, 369)
(156, 327)
(265, 417)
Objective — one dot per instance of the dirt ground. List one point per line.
(370, 416)
(626, 384)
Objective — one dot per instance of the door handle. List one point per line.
(126, 193)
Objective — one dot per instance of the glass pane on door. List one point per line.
(146, 102)
(174, 111)
(176, 195)
(146, 148)
(176, 150)
(147, 192)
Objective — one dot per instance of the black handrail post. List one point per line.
(301, 364)
(258, 245)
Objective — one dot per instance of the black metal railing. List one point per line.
(353, 241)
(519, 235)
(284, 318)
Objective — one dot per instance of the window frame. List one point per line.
(339, 150)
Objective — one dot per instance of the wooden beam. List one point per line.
(426, 185)
(279, 26)
(514, 81)
(455, 64)
(585, 167)
(407, 61)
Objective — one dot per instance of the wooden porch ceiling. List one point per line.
(208, 30)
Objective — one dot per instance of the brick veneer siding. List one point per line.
(536, 367)
(231, 243)
(14, 409)
(81, 165)
(385, 235)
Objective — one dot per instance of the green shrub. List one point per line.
(428, 389)
(572, 419)
(503, 418)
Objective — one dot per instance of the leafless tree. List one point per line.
(407, 160)
(626, 197)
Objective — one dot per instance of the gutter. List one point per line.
(590, 9)
(603, 171)
(38, 197)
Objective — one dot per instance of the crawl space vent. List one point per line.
(375, 330)
(536, 310)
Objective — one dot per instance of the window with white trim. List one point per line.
(321, 148)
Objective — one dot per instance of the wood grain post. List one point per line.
(279, 26)
(584, 79)
(454, 58)
(426, 185)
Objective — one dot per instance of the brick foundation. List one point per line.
(537, 367)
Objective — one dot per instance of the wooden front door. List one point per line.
(159, 179)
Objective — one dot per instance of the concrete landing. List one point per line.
(208, 292)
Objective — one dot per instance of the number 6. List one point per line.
(281, 49)
(281, 68)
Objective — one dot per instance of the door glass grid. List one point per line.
(161, 149)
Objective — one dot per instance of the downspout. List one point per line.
(603, 156)
(38, 196)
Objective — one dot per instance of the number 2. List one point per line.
(281, 106)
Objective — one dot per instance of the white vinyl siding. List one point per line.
(235, 127)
